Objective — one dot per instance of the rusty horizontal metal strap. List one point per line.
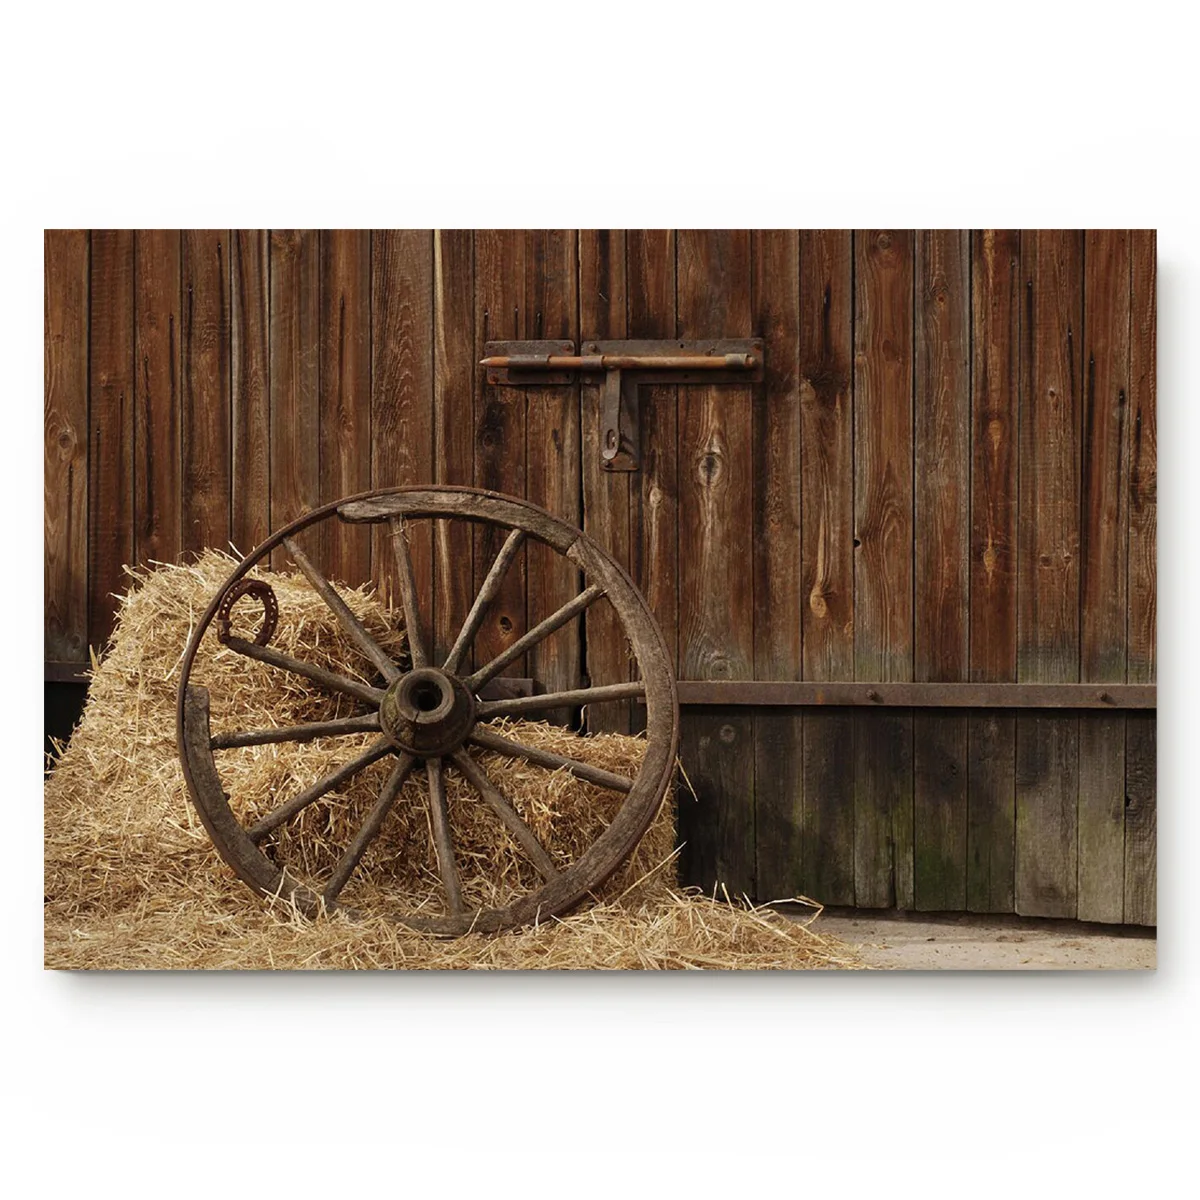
(621, 362)
(1110, 696)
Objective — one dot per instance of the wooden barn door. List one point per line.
(946, 478)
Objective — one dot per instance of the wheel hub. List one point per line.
(428, 713)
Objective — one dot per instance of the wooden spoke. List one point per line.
(285, 662)
(523, 704)
(373, 753)
(531, 637)
(441, 834)
(408, 594)
(350, 623)
(368, 723)
(370, 828)
(546, 758)
(487, 593)
(505, 811)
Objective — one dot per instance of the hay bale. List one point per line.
(132, 880)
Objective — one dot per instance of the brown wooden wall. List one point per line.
(948, 474)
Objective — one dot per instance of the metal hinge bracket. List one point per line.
(617, 370)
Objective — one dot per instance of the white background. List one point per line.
(693, 115)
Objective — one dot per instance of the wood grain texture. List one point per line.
(883, 579)
(454, 433)
(1103, 569)
(941, 497)
(345, 396)
(1141, 817)
(500, 459)
(402, 420)
(552, 447)
(654, 497)
(111, 465)
(775, 463)
(205, 368)
(995, 382)
(715, 532)
(157, 297)
(294, 378)
(1141, 820)
(1143, 466)
(606, 494)
(1047, 774)
(250, 501)
(65, 482)
(827, 556)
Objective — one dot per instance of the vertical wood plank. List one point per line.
(110, 420)
(716, 530)
(775, 464)
(454, 431)
(65, 482)
(499, 431)
(1143, 467)
(1103, 570)
(883, 614)
(995, 380)
(345, 396)
(606, 494)
(206, 381)
(654, 494)
(1141, 820)
(294, 378)
(827, 556)
(402, 437)
(942, 470)
(157, 502)
(552, 456)
(251, 482)
(1141, 853)
(1048, 569)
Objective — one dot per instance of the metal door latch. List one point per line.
(618, 369)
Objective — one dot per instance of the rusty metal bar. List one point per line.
(621, 362)
(1110, 697)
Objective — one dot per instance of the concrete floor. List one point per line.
(960, 942)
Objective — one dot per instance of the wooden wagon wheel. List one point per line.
(428, 716)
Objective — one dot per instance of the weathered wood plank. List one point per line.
(715, 536)
(402, 423)
(654, 494)
(110, 421)
(157, 501)
(995, 381)
(454, 434)
(991, 815)
(1048, 569)
(883, 613)
(251, 482)
(1141, 820)
(345, 396)
(552, 469)
(1143, 466)
(205, 370)
(294, 378)
(65, 494)
(775, 464)
(1103, 569)
(500, 432)
(827, 556)
(606, 494)
(942, 472)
